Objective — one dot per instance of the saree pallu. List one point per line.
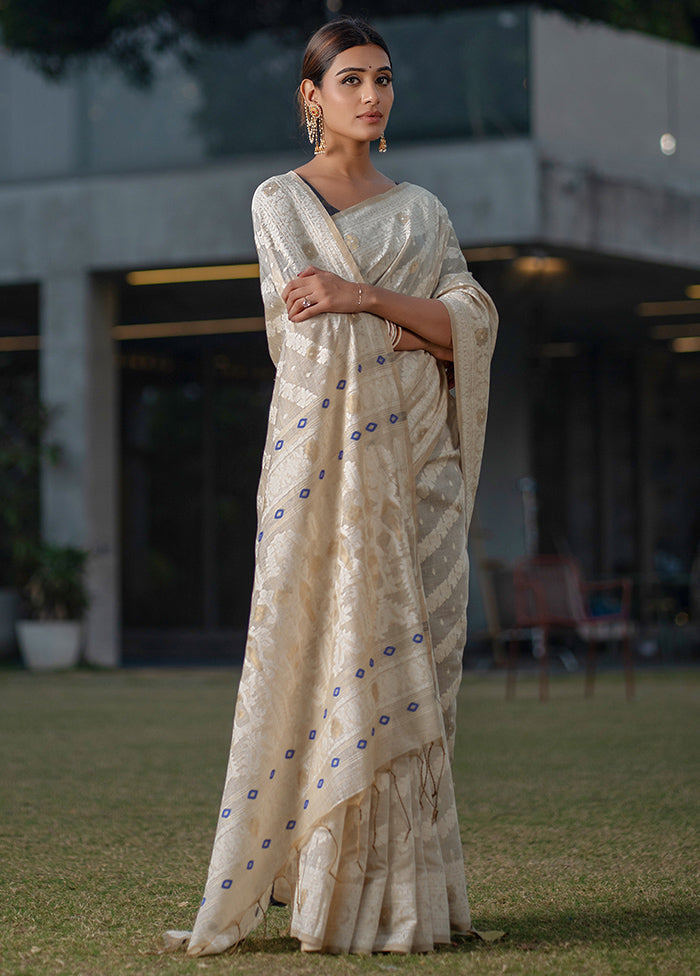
(338, 793)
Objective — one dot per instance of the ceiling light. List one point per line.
(168, 276)
(19, 343)
(503, 253)
(539, 264)
(668, 308)
(686, 344)
(674, 331)
(168, 330)
(667, 143)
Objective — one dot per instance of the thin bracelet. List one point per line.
(359, 295)
(395, 332)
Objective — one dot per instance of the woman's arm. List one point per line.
(426, 320)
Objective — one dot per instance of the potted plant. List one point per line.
(23, 422)
(54, 600)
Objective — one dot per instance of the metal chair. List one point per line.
(550, 594)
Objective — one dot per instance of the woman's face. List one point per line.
(355, 95)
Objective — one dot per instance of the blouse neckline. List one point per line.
(355, 206)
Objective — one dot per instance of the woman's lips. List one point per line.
(371, 116)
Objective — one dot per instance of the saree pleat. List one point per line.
(382, 887)
(338, 791)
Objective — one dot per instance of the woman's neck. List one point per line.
(342, 167)
(346, 161)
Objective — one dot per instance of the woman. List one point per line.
(339, 795)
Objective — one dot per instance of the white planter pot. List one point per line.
(49, 645)
(9, 607)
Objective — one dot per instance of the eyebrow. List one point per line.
(387, 67)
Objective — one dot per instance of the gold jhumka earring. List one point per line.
(314, 126)
(382, 143)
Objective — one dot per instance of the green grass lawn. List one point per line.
(579, 824)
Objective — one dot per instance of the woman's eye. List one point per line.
(384, 80)
(350, 78)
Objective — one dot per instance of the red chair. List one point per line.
(549, 594)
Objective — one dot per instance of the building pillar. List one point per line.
(79, 495)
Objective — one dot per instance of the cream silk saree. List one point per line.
(338, 793)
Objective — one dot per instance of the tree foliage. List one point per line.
(54, 33)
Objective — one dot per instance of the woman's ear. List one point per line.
(308, 90)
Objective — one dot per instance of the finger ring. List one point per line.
(306, 303)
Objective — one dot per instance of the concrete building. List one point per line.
(568, 155)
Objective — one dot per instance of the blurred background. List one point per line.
(134, 375)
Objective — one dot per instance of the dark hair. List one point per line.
(331, 40)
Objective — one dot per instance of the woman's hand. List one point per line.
(313, 292)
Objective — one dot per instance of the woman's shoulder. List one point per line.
(272, 186)
(426, 197)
